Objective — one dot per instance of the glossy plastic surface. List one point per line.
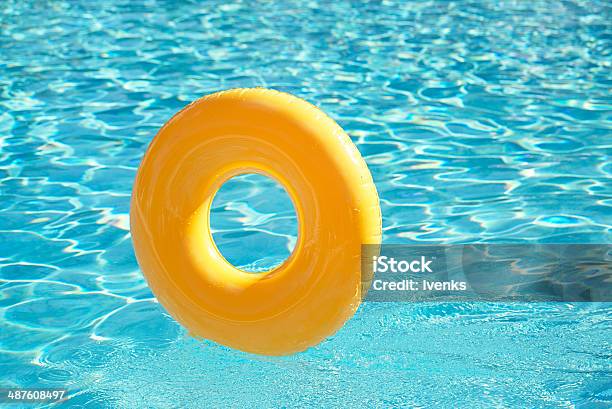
(313, 293)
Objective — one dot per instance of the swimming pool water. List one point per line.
(480, 122)
(253, 211)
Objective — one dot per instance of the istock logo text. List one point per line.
(384, 264)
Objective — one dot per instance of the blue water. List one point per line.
(255, 212)
(480, 121)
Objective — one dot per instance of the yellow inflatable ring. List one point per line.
(310, 295)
